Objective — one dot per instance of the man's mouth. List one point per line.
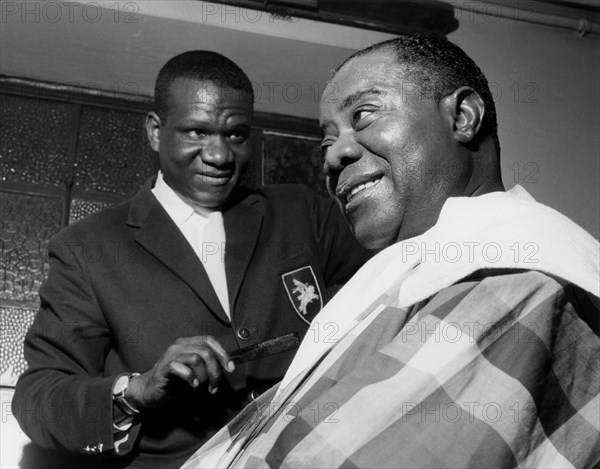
(355, 190)
(217, 179)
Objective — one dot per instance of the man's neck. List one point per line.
(484, 188)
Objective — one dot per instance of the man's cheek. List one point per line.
(242, 160)
(381, 136)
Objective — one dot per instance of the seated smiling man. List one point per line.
(470, 340)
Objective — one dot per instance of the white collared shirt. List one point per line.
(192, 221)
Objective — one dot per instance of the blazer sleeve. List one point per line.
(63, 400)
(341, 254)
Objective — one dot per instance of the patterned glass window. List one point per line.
(28, 222)
(113, 155)
(293, 160)
(34, 140)
(82, 208)
(14, 323)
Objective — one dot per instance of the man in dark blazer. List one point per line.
(129, 355)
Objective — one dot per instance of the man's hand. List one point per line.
(192, 360)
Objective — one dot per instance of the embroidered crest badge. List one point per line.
(304, 292)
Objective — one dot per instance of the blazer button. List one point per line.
(254, 394)
(243, 333)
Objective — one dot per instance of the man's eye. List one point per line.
(361, 114)
(325, 147)
(239, 137)
(196, 133)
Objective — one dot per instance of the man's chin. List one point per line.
(211, 200)
(371, 239)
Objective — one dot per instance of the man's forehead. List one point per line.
(193, 91)
(374, 63)
(369, 74)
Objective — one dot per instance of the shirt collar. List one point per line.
(178, 209)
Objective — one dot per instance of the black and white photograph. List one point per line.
(300, 234)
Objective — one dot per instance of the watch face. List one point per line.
(120, 384)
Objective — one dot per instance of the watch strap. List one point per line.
(119, 397)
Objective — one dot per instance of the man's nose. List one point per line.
(216, 151)
(343, 152)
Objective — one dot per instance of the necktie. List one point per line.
(212, 254)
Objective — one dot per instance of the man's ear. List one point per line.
(153, 125)
(465, 110)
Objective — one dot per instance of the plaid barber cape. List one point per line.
(475, 362)
(493, 372)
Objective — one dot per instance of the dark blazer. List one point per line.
(124, 284)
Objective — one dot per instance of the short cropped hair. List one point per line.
(438, 67)
(199, 65)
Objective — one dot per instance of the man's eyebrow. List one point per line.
(354, 97)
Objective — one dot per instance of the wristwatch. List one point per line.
(119, 395)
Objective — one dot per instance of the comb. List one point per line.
(264, 349)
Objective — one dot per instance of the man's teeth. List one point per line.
(360, 188)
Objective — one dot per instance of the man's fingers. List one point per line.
(221, 354)
(197, 363)
(209, 341)
(197, 360)
(181, 371)
(212, 368)
(204, 365)
(197, 367)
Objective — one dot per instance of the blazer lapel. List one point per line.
(243, 222)
(161, 238)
